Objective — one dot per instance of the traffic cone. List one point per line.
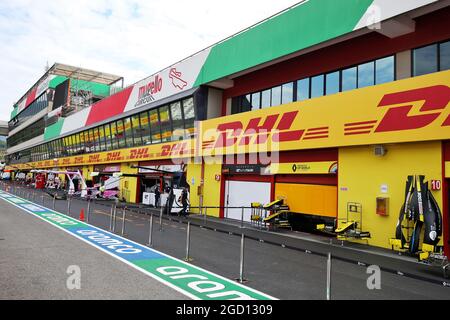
(82, 214)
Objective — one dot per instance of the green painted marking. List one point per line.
(304, 26)
(197, 282)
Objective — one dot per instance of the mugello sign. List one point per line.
(192, 281)
(415, 109)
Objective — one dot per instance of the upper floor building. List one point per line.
(314, 49)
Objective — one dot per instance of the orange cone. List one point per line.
(82, 214)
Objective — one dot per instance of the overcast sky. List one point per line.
(131, 38)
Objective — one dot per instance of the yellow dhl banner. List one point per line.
(320, 167)
(172, 150)
(415, 109)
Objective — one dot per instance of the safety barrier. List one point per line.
(188, 256)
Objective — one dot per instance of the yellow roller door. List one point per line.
(309, 199)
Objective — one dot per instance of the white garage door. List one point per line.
(242, 194)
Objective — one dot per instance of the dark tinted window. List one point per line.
(444, 56)
(425, 60)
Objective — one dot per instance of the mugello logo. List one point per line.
(147, 92)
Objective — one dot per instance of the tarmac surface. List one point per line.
(285, 266)
(35, 257)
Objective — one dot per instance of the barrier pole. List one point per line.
(204, 218)
(54, 200)
(111, 218)
(160, 219)
(241, 264)
(242, 218)
(88, 212)
(43, 201)
(150, 233)
(69, 202)
(329, 277)
(188, 240)
(114, 219)
(123, 221)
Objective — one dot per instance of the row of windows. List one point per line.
(37, 106)
(26, 134)
(360, 76)
(431, 58)
(167, 123)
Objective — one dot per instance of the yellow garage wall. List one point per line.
(362, 174)
(211, 186)
(128, 185)
(309, 199)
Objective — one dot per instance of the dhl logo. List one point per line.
(258, 131)
(113, 156)
(177, 149)
(79, 160)
(66, 161)
(141, 153)
(403, 115)
(94, 158)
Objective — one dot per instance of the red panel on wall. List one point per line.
(31, 97)
(109, 107)
(446, 147)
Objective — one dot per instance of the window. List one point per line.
(155, 126)
(317, 84)
(101, 138)
(108, 142)
(303, 89)
(189, 116)
(366, 74)
(256, 101)
(265, 99)
(166, 128)
(332, 83)
(425, 60)
(128, 132)
(384, 70)
(349, 79)
(276, 96)
(444, 56)
(287, 93)
(177, 121)
(120, 134)
(145, 128)
(136, 127)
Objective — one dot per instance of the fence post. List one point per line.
(123, 220)
(111, 218)
(160, 219)
(88, 212)
(329, 277)
(241, 265)
(150, 234)
(114, 219)
(188, 240)
(69, 202)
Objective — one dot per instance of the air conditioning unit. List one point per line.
(380, 150)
